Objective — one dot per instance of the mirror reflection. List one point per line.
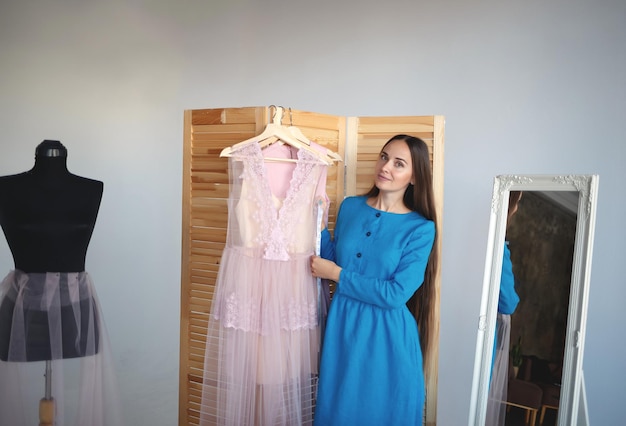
(528, 367)
(534, 291)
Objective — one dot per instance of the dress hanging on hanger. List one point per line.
(261, 360)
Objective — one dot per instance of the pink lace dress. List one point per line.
(261, 359)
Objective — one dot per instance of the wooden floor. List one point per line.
(515, 417)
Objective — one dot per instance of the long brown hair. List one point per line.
(421, 198)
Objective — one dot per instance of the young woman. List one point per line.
(371, 369)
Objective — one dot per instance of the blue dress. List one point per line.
(371, 369)
(507, 298)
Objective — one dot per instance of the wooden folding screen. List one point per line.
(366, 136)
(204, 205)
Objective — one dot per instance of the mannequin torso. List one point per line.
(47, 215)
(48, 219)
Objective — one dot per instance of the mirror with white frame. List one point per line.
(550, 238)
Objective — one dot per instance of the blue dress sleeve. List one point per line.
(394, 291)
(327, 246)
(508, 299)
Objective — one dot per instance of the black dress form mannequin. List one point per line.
(48, 215)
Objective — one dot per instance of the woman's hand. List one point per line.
(322, 268)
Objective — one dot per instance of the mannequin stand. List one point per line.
(46, 404)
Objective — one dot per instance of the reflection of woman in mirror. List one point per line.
(507, 302)
(371, 368)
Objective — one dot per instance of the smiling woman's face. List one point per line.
(394, 168)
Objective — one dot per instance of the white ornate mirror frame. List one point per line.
(572, 390)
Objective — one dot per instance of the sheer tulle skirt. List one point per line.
(262, 351)
(496, 407)
(55, 317)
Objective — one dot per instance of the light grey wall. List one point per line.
(526, 87)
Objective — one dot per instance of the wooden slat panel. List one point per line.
(223, 132)
(183, 393)
(209, 191)
(205, 211)
(203, 265)
(201, 284)
(223, 115)
(373, 132)
(398, 120)
(202, 271)
(205, 116)
(208, 177)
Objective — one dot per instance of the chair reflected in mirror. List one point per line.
(534, 390)
(550, 400)
(526, 396)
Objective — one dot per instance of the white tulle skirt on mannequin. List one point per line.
(55, 317)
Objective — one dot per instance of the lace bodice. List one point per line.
(261, 220)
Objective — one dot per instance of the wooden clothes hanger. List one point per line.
(276, 132)
(295, 131)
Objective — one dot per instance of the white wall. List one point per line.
(526, 87)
